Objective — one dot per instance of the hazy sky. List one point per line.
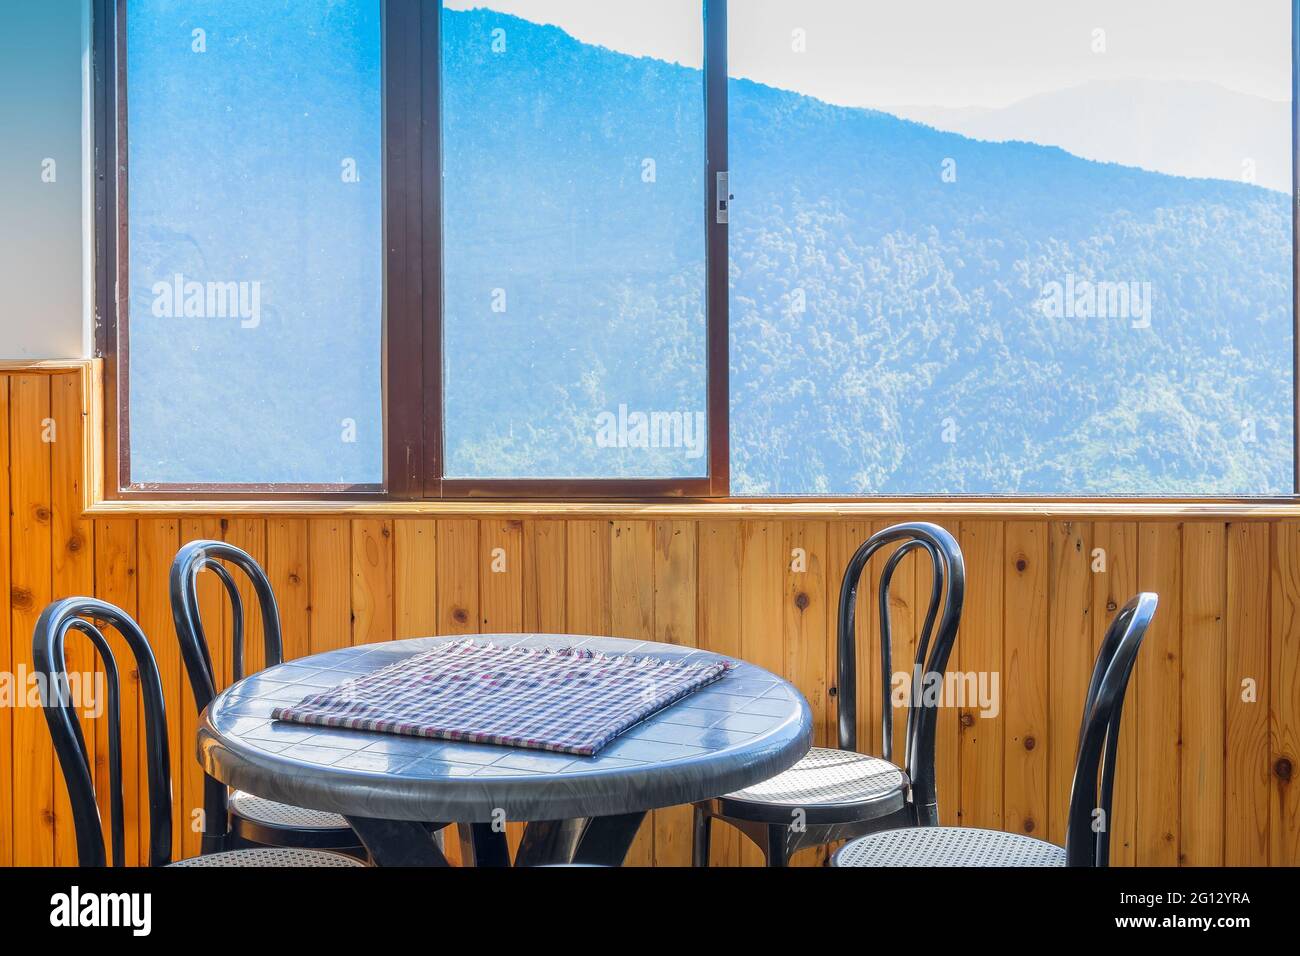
(949, 52)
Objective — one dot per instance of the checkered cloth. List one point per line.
(563, 699)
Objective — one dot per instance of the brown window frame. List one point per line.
(412, 343)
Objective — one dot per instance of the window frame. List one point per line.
(412, 320)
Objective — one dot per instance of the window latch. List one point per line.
(724, 196)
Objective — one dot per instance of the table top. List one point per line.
(743, 728)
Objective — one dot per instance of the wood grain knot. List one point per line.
(1030, 824)
(20, 598)
(41, 513)
(801, 601)
(1021, 565)
(832, 691)
(967, 720)
(460, 615)
(75, 543)
(1030, 743)
(1282, 769)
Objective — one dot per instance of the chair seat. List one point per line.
(948, 846)
(828, 786)
(272, 814)
(272, 856)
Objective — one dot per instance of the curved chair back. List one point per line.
(192, 560)
(86, 616)
(1087, 837)
(947, 590)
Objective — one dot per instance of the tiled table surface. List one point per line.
(748, 726)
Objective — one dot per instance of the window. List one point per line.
(489, 247)
(1011, 248)
(255, 235)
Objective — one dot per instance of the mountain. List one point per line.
(1193, 129)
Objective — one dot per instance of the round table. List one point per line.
(397, 791)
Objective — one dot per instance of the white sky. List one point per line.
(950, 53)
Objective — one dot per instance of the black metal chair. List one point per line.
(86, 616)
(833, 795)
(233, 818)
(1087, 834)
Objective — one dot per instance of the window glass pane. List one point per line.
(1011, 247)
(573, 216)
(256, 243)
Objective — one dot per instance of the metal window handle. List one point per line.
(724, 196)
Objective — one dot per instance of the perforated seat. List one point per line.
(271, 857)
(827, 786)
(948, 846)
(292, 826)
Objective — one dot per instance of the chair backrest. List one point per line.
(1087, 835)
(947, 591)
(191, 561)
(86, 616)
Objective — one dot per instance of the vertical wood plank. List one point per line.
(675, 619)
(719, 631)
(115, 582)
(31, 556)
(72, 573)
(372, 580)
(545, 542)
(843, 538)
(1069, 659)
(632, 603)
(1111, 590)
(1158, 702)
(288, 564)
(329, 545)
(1025, 681)
(587, 598)
(215, 612)
(157, 540)
(947, 749)
(1202, 721)
(458, 576)
(415, 589)
(1284, 696)
(501, 580)
(249, 534)
(981, 717)
(1246, 696)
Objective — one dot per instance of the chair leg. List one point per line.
(701, 836)
(778, 844)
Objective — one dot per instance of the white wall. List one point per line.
(44, 179)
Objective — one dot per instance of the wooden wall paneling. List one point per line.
(157, 540)
(1025, 678)
(115, 582)
(1202, 763)
(72, 573)
(288, 568)
(1246, 694)
(7, 638)
(719, 631)
(1284, 694)
(415, 586)
(545, 544)
(586, 589)
(632, 614)
(458, 576)
(1071, 559)
(675, 618)
(981, 716)
(329, 546)
(31, 556)
(1111, 589)
(372, 580)
(1158, 706)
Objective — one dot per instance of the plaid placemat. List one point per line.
(563, 699)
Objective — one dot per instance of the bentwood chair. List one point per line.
(1088, 826)
(86, 616)
(233, 818)
(833, 795)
